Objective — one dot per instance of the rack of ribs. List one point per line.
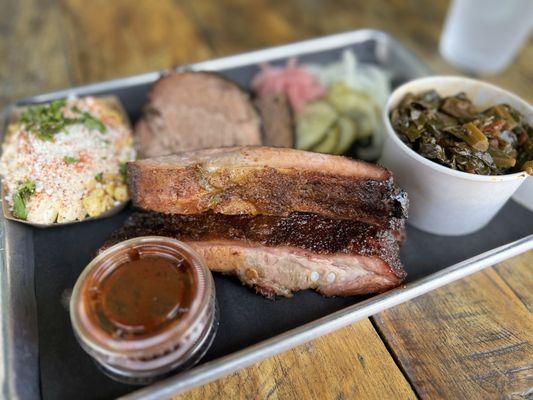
(281, 220)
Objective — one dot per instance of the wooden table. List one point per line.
(471, 339)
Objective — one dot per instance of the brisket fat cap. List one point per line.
(281, 255)
(269, 181)
(195, 110)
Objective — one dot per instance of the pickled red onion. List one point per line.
(297, 83)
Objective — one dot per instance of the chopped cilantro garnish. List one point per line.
(19, 207)
(70, 160)
(123, 171)
(47, 120)
(24, 191)
(99, 177)
(27, 187)
(92, 123)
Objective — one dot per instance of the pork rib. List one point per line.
(281, 255)
(266, 180)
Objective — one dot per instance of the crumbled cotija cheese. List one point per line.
(63, 167)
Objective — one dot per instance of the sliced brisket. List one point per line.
(195, 110)
(276, 119)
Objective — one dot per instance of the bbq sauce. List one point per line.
(144, 308)
(142, 295)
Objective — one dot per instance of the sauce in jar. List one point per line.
(144, 307)
(142, 296)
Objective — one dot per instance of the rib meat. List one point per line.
(269, 181)
(281, 255)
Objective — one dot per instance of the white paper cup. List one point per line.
(484, 36)
(444, 201)
(524, 194)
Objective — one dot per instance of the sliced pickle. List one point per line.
(355, 105)
(345, 99)
(363, 123)
(329, 143)
(347, 134)
(313, 124)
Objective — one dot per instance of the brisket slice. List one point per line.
(270, 181)
(281, 255)
(276, 119)
(195, 110)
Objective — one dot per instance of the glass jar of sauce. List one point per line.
(144, 308)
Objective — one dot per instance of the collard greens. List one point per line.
(453, 132)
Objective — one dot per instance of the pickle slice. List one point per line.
(363, 122)
(345, 99)
(347, 134)
(329, 143)
(313, 124)
(354, 104)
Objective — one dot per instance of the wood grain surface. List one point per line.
(108, 39)
(518, 275)
(363, 369)
(471, 339)
(32, 54)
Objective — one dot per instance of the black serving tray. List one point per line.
(40, 356)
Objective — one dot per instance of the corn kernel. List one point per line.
(90, 185)
(110, 188)
(95, 203)
(121, 193)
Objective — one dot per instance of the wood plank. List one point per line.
(352, 363)
(118, 38)
(233, 26)
(518, 275)
(470, 339)
(33, 58)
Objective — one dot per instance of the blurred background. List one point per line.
(51, 44)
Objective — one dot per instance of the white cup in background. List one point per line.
(483, 36)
